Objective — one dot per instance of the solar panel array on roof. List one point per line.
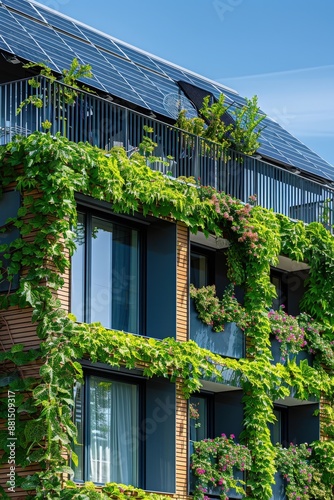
(36, 33)
(25, 7)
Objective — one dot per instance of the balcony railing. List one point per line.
(81, 116)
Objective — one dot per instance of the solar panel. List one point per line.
(123, 91)
(139, 58)
(43, 35)
(165, 85)
(86, 54)
(50, 42)
(59, 22)
(135, 78)
(271, 153)
(124, 67)
(101, 41)
(174, 73)
(21, 43)
(292, 149)
(24, 7)
(4, 45)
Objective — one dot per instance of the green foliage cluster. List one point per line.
(69, 77)
(303, 470)
(56, 169)
(306, 470)
(294, 334)
(214, 463)
(216, 312)
(243, 135)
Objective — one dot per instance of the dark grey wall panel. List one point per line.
(160, 436)
(161, 280)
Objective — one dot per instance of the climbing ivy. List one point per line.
(229, 126)
(48, 171)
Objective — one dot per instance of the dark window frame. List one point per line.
(212, 424)
(88, 214)
(209, 398)
(158, 267)
(210, 255)
(161, 411)
(288, 420)
(218, 269)
(10, 203)
(282, 289)
(124, 378)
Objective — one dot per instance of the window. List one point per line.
(279, 429)
(201, 267)
(198, 270)
(123, 272)
(106, 273)
(112, 419)
(208, 266)
(290, 288)
(199, 417)
(277, 280)
(213, 414)
(126, 431)
(295, 424)
(9, 205)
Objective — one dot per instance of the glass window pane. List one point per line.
(198, 270)
(198, 419)
(125, 292)
(79, 423)
(114, 297)
(101, 272)
(276, 281)
(276, 428)
(113, 431)
(78, 271)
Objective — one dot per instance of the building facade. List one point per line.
(145, 347)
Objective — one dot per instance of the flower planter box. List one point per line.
(276, 352)
(278, 488)
(229, 343)
(215, 492)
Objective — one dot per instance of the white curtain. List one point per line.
(113, 431)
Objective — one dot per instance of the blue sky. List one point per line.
(280, 50)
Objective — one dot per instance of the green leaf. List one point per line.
(17, 348)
